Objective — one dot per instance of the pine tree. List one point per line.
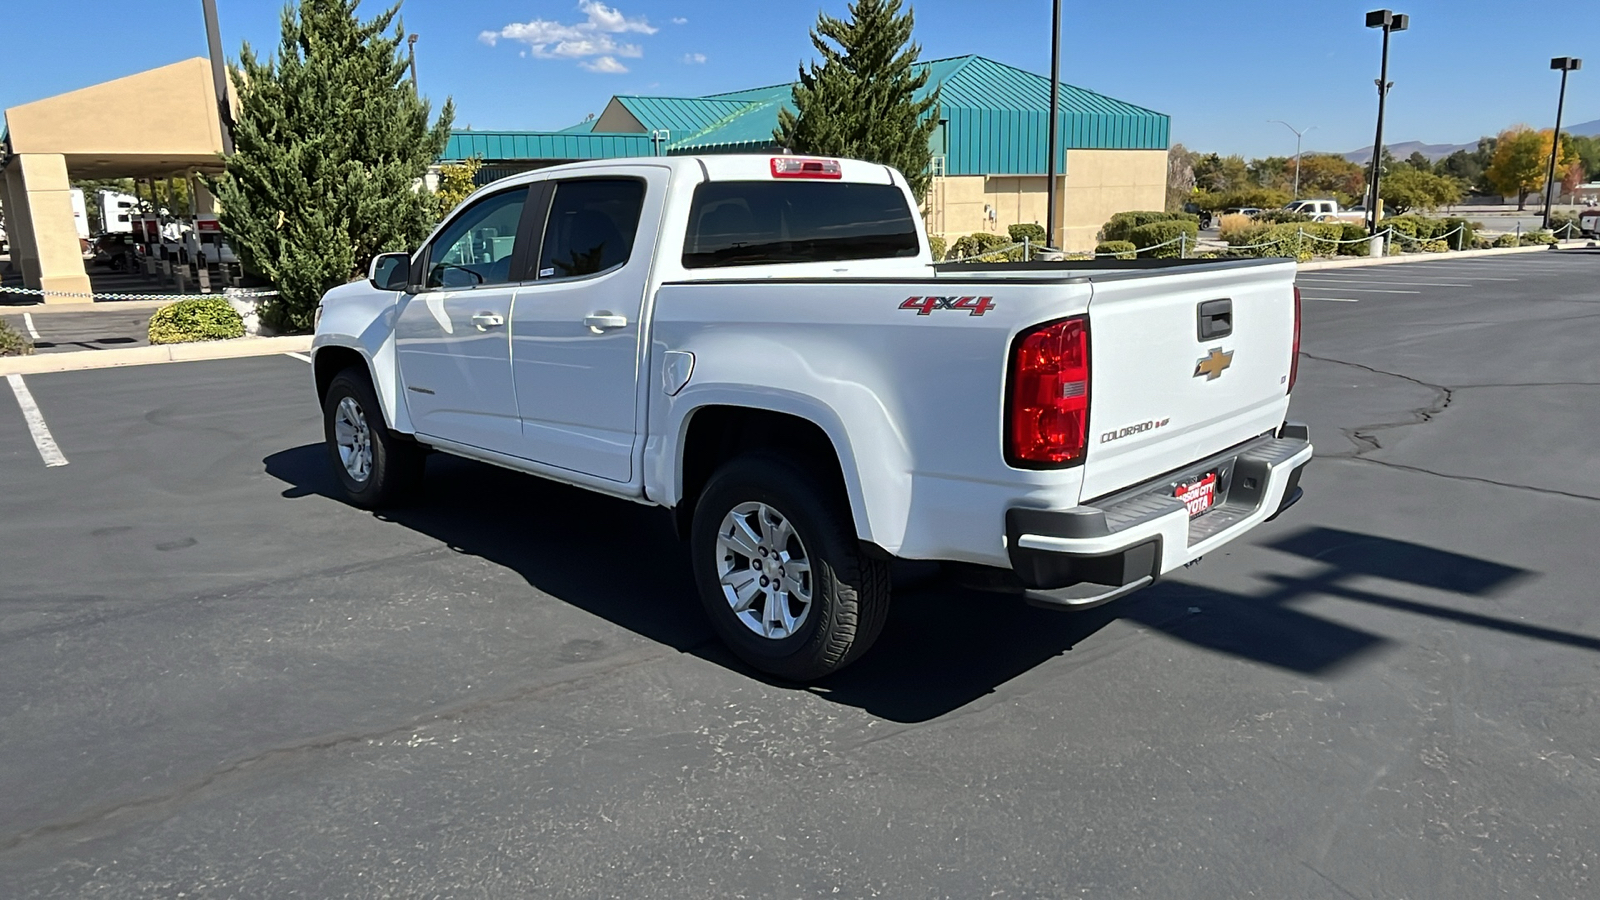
(861, 101)
(330, 145)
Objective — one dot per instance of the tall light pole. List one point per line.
(1298, 134)
(411, 48)
(1055, 112)
(1565, 64)
(1390, 22)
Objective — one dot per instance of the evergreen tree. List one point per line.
(861, 101)
(330, 145)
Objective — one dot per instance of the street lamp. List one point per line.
(1390, 22)
(411, 50)
(1298, 133)
(1565, 64)
(1055, 118)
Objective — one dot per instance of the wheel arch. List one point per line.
(715, 433)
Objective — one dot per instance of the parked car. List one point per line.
(763, 346)
(1589, 222)
(1251, 211)
(114, 250)
(1325, 210)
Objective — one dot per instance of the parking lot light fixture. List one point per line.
(1298, 134)
(1565, 64)
(1390, 22)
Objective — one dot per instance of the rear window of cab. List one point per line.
(752, 223)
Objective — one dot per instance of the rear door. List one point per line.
(1184, 364)
(577, 326)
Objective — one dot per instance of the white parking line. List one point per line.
(1332, 281)
(27, 319)
(299, 356)
(41, 432)
(1343, 287)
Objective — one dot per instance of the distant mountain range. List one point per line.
(1439, 151)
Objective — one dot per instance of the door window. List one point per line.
(475, 248)
(591, 226)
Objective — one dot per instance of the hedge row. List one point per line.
(1120, 226)
(984, 246)
(1117, 249)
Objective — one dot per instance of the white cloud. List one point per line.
(592, 37)
(679, 20)
(605, 64)
(694, 59)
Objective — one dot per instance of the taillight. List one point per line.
(800, 167)
(1048, 406)
(1294, 360)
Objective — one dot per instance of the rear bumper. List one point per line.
(1114, 545)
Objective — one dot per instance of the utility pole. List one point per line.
(1390, 22)
(1297, 135)
(1565, 64)
(219, 74)
(1055, 117)
(411, 48)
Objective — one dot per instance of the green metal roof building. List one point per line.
(993, 123)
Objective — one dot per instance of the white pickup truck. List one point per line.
(1327, 210)
(763, 345)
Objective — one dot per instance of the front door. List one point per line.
(576, 331)
(453, 339)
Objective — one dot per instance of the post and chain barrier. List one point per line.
(227, 294)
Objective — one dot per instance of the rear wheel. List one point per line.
(374, 465)
(781, 573)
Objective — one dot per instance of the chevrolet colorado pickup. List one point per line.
(763, 346)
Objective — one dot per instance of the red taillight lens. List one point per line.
(1048, 425)
(1294, 360)
(800, 167)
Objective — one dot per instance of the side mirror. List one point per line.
(390, 271)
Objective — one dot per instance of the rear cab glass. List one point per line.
(752, 223)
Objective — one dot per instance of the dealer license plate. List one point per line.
(1198, 496)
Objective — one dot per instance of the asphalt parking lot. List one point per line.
(215, 680)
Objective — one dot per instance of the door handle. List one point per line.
(602, 320)
(486, 321)
(1215, 319)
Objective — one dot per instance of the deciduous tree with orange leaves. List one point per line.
(1521, 157)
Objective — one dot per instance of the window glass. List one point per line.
(591, 226)
(745, 223)
(475, 248)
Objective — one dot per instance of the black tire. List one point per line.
(849, 589)
(396, 464)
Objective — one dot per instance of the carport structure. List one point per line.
(156, 124)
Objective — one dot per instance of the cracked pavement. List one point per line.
(219, 682)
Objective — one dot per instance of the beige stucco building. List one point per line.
(161, 123)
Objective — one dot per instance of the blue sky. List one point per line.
(1220, 69)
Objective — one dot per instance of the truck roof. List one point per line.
(718, 167)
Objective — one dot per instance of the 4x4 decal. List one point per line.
(975, 306)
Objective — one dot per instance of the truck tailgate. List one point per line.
(1184, 365)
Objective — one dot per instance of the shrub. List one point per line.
(1301, 240)
(200, 319)
(1356, 234)
(937, 246)
(984, 246)
(1148, 238)
(1435, 246)
(1120, 226)
(1469, 232)
(1506, 240)
(1534, 238)
(13, 342)
(1234, 222)
(1481, 242)
(1563, 224)
(1281, 216)
(1032, 232)
(1121, 249)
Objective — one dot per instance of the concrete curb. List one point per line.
(1355, 261)
(143, 356)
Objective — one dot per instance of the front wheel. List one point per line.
(781, 573)
(373, 464)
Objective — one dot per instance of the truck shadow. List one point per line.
(943, 647)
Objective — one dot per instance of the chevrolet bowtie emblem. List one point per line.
(1212, 364)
